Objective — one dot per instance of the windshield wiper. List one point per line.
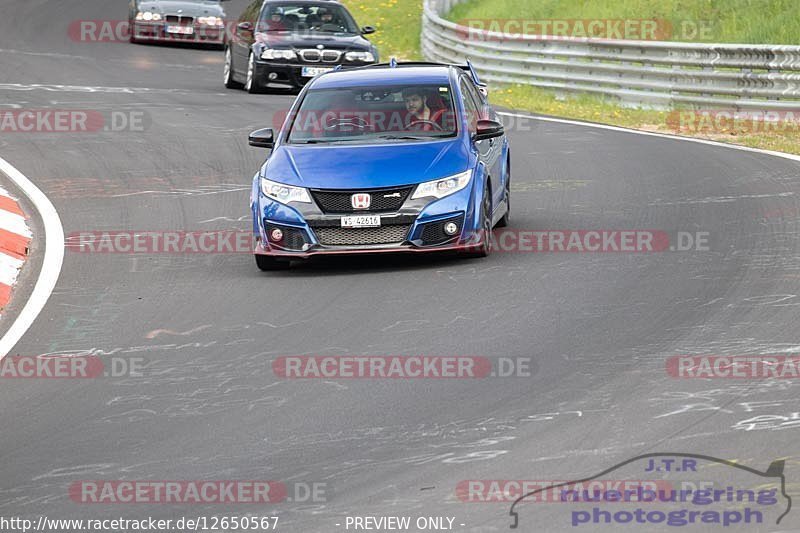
(324, 141)
(408, 137)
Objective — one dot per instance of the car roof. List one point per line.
(380, 75)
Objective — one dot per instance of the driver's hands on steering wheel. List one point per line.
(422, 122)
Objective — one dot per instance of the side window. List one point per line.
(470, 106)
(476, 95)
(251, 13)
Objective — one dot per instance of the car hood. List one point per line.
(311, 40)
(365, 167)
(189, 8)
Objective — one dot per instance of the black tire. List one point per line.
(230, 83)
(132, 32)
(250, 85)
(266, 263)
(484, 248)
(506, 219)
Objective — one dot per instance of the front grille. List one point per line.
(331, 56)
(392, 234)
(383, 200)
(183, 21)
(315, 56)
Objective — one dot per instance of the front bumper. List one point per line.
(157, 32)
(416, 227)
(282, 74)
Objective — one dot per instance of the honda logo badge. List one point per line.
(361, 201)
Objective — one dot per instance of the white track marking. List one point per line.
(53, 258)
(653, 134)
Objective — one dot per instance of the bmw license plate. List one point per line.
(180, 30)
(310, 72)
(362, 221)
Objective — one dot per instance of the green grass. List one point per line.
(730, 21)
(595, 109)
(399, 27)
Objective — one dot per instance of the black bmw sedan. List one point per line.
(282, 44)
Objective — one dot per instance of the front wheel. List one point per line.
(483, 249)
(250, 85)
(230, 83)
(506, 219)
(266, 263)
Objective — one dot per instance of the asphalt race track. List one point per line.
(598, 326)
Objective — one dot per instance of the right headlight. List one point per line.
(443, 187)
(272, 53)
(284, 194)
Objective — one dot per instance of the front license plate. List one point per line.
(310, 72)
(181, 30)
(363, 221)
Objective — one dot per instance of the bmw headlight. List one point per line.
(284, 194)
(366, 57)
(210, 21)
(442, 187)
(148, 16)
(271, 53)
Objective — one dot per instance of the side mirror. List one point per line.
(484, 91)
(366, 30)
(244, 27)
(488, 129)
(264, 138)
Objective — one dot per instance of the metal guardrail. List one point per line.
(643, 73)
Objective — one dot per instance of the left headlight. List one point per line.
(148, 16)
(360, 56)
(284, 194)
(211, 21)
(443, 187)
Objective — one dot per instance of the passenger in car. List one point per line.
(276, 21)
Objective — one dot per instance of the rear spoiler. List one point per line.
(475, 78)
(469, 68)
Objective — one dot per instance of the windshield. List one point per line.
(299, 16)
(374, 114)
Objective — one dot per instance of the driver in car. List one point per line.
(324, 17)
(418, 115)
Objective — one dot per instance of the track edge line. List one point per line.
(51, 264)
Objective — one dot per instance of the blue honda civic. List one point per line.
(397, 157)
